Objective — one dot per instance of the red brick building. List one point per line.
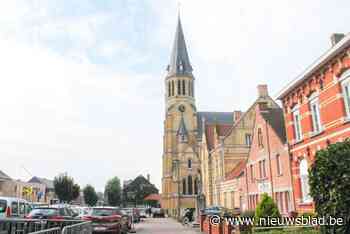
(268, 166)
(317, 112)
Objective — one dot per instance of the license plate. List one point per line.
(99, 228)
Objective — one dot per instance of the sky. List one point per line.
(82, 82)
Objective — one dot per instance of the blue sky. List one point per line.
(82, 81)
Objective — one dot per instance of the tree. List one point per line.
(113, 191)
(137, 190)
(90, 195)
(266, 208)
(76, 191)
(329, 179)
(63, 185)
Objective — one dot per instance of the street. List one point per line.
(163, 226)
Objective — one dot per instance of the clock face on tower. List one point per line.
(182, 108)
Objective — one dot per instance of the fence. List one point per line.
(80, 228)
(30, 226)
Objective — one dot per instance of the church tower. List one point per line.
(180, 161)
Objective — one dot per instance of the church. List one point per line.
(187, 133)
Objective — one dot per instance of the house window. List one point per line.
(178, 87)
(346, 90)
(297, 125)
(278, 164)
(183, 186)
(260, 138)
(304, 181)
(315, 113)
(252, 173)
(262, 169)
(248, 139)
(189, 183)
(189, 164)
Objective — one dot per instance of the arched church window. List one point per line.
(196, 186)
(192, 89)
(184, 186)
(189, 183)
(178, 87)
(183, 87)
(169, 89)
(189, 163)
(172, 88)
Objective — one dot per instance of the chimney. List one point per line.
(336, 37)
(236, 115)
(262, 91)
(148, 178)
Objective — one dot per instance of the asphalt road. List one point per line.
(163, 226)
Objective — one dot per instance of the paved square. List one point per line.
(163, 226)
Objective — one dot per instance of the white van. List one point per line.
(13, 207)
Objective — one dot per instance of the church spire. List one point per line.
(179, 60)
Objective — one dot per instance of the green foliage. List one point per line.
(113, 191)
(90, 195)
(137, 190)
(248, 213)
(76, 191)
(329, 179)
(65, 188)
(266, 208)
(307, 215)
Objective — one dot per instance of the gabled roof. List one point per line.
(221, 130)
(179, 59)
(3, 176)
(48, 183)
(274, 117)
(236, 171)
(219, 118)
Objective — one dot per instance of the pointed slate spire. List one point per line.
(179, 60)
(182, 131)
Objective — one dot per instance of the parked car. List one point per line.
(52, 213)
(126, 219)
(134, 212)
(143, 213)
(158, 213)
(105, 219)
(13, 207)
(217, 210)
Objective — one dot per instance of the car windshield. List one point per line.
(44, 211)
(3, 205)
(102, 212)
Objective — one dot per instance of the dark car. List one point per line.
(50, 213)
(134, 213)
(105, 220)
(158, 213)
